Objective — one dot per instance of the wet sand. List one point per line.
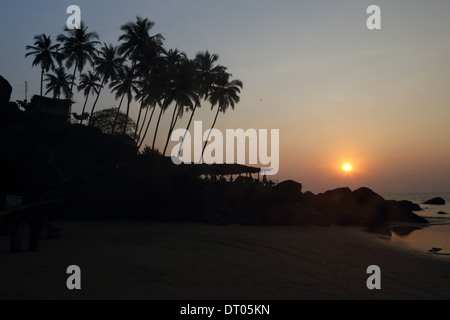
(132, 260)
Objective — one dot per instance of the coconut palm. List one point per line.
(45, 54)
(125, 84)
(224, 94)
(206, 75)
(78, 48)
(89, 82)
(143, 96)
(107, 65)
(162, 76)
(143, 50)
(145, 65)
(136, 41)
(59, 83)
(184, 91)
(159, 80)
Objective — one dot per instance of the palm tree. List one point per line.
(184, 91)
(143, 50)
(137, 42)
(45, 54)
(146, 65)
(224, 94)
(90, 84)
(107, 65)
(145, 100)
(59, 83)
(162, 76)
(124, 85)
(78, 48)
(206, 74)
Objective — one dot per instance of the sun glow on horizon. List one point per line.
(347, 168)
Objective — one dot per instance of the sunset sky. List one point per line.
(339, 93)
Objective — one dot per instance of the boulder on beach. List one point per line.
(404, 231)
(436, 201)
(442, 212)
(5, 91)
(410, 205)
(290, 189)
(364, 207)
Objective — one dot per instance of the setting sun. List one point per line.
(347, 167)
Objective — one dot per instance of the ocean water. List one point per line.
(437, 234)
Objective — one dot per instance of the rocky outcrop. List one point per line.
(362, 207)
(435, 201)
(290, 189)
(409, 205)
(5, 92)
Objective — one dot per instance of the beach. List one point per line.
(143, 260)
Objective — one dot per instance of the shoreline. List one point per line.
(155, 261)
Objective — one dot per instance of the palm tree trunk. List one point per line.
(42, 80)
(172, 125)
(209, 134)
(126, 118)
(113, 129)
(84, 108)
(157, 126)
(146, 129)
(187, 129)
(138, 120)
(143, 124)
(73, 79)
(98, 96)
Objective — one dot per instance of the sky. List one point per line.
(338, 92)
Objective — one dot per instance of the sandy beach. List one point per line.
(132, 260)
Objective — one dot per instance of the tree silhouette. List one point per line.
(184, 90)
(59, 83)
(107, 65)
(206, 76)
(224, 94)
(163, 75)
(143, 50)
(104, 120)
(89, 82)
(124, 85)
(45, 55)
(137, 42)
(78, 48)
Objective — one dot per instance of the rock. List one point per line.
(442, 212)
(435, 250)
(404, 231)
(410, 205)
(5, 91)
(399, 213)
(290, 189)
(435, 201)
(366, 195)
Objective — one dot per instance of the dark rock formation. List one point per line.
(435, 201)
(290, 189)
(404, 231)
(410, 205)
(362, 207)
(5, 91)
(442, 212)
